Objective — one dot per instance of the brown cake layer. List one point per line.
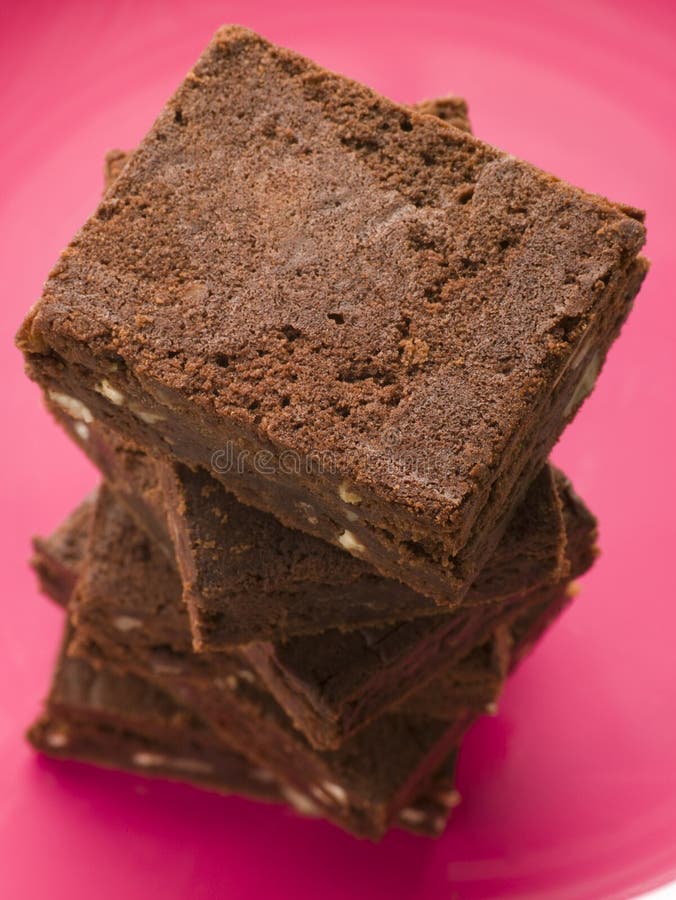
(333, 684)
(248, 578)
(123, 722)
(130, 631)
(245, 576)
(481, 677)
(398, 398)
(330, 684)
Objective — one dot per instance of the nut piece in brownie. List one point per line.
(395, 400)
(120, 721)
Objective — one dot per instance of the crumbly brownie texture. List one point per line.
(331, 685)
(396, 400)
(451, 109)
(123, 722)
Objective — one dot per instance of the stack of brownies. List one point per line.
(320, 346)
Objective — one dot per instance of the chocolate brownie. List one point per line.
(365, 788)
(365, 683)
(330, 685)
(119, 553)
(476, 681)
(246, 577)
(123, 722)
(247, 717)
(355, 598)
(395, 400)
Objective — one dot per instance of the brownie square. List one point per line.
(361, 319)
(248, 578)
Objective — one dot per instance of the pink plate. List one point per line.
(571, 790)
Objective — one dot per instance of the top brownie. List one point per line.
(362, 319)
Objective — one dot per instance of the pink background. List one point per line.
(571, 791)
